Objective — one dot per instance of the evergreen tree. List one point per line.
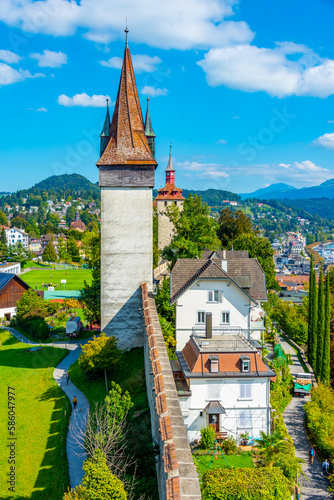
(3, 245)
(325, 369)
(313, 316)
(49, 254)
(309, 338)
(321, 324)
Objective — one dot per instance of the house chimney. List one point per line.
(224, 262)
(208, 325)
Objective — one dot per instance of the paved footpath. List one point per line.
(314, 486)
(75, 452)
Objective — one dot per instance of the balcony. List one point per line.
(257, 325)
(225, 340)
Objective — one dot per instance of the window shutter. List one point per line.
(210, 296)
(221, 296)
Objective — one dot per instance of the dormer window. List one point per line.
(245, 364)
(214, 364)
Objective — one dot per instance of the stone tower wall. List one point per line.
(165, 226)
(126, 260)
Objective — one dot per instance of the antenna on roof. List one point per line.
(126, 33)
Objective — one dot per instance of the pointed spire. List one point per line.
(170, 167)
(148, 123)
(126, 35)
(106, 126)
(127, 144)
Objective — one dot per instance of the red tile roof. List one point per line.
(127, 141)
(169, 192)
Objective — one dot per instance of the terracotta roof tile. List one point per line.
(152, 342)
(159, 384)
(149, 330)
(169, 192)
(154, 354)
(169, 458)
(127, 141)
(165, 428)
(173, 491)
(156, 367)
(161, 403)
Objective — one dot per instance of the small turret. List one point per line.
(170, 172)
(150, 135)
(105, 132)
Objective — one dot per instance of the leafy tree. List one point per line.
(3, 245)
(208, 435)
(118, 404)
(325, 371)
(99, 355)
(17, 253)
(260, 248)
(62, 251)
(195, 230)
(70, 215)
(31, 306)
(90, 295)
(162, 302)
(270, 445)
(49, 254)
(73, 250)
(98, 482)
(321, 324)
(3, 219)
(313, 318)
(231, 225)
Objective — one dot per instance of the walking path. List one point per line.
(315, 486)
(75, 452)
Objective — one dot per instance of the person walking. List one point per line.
(311, 454)
(297, 491)
(75, 402)
(325, 467)
(67, 377)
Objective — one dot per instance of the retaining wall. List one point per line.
(177, 476)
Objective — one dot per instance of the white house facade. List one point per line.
(15, 235)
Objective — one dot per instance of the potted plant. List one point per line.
(244, 438)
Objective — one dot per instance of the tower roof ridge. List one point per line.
(127, 141)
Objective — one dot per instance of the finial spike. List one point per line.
(126, 34)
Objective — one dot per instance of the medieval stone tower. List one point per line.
(126, 176)
(167, 196)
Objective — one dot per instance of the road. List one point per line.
(314, 486)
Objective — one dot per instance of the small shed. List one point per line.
(73, 325)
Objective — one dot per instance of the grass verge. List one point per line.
(74, 278)
(41, 424)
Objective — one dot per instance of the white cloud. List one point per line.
(153, 92)
(50, 59)
(325, 141)
(177, 24)
(84, 100)
(204, 170)
(42, 110)
(222, 141)
(9, 57)
(142, 63)
(252, 69)
(9, 75)
(330, 121)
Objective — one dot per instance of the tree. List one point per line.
(231, 225)
(260, 248)
(98, 482)
(73, 250)
(118, 405)
(3, 219)
(270, 445)
(62, 251)
(3, 245)
(321, 324)
(31, 306)
(49, 254)
(195, 230)
(313, 318)
(17, 253)
(162, 302)
(325, 371)
(70, 215)
(90, 294)
(99, 355)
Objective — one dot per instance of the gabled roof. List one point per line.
(5, 278)
(127, 141)
(187, 271)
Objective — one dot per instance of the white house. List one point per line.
(229, 285)
(220, 376)
(10, 267)
(14, 235)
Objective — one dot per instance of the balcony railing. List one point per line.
(223, 341)
(223, 330)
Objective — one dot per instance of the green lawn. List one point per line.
(41, 424)
(74, 278)
(32, 263)
(243, 460)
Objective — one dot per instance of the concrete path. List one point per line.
(314, 486)
(75, 452)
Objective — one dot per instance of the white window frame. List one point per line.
(245, 391)
(215, 296)
(245, 361)
(198, 322)
(214, 391)
(229, 318)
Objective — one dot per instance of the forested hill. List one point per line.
(213, 197)
(56, 187)
(323, 207)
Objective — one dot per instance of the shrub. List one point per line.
(39, 329)
(266, 483)
(207, 436)
(319, 413)
(100, 354)
(229, 445)
(30, 307)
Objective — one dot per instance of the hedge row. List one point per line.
(267, 483)
(320, 418)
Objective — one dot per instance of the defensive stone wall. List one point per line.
(177, 476)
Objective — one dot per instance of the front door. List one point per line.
(7, 316)
(214, 421)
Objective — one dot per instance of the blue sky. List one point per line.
(243, 90)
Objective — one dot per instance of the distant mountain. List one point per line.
(73, 182)
(325, 190)
(213, 197)
(272, 191)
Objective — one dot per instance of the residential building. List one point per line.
(77, 224)
(15, 235)
(12, 287)
(10, 267)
